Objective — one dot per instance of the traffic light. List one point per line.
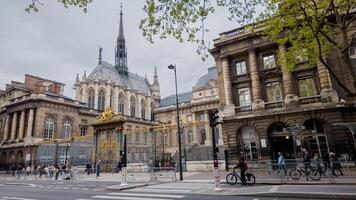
(214, 118)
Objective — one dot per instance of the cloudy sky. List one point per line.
(56, 43)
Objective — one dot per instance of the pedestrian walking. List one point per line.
(336, 164)
(281, 164)
(88, 168)
(326, 162)
(97, 168)
(316, 160)
(306, 159)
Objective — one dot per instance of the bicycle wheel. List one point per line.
(231, 179)
(314, 175)
(294, 174)
(250, 179)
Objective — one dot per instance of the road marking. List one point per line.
(159, 190)
(146, 195)
(17, 198)
(274, 188)
(124, 198)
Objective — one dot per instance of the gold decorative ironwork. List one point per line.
(108, 114)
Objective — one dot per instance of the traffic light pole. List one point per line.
(124, 164)
(213, 123)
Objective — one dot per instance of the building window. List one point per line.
(240, 67)
(49, 128)
(83, 130)
(249, 144)
(190, 137)
(182, 137)
(201, 117)
(145, 139)
(269, 62)
(91, 99)
(101, 100)
(202, 136)
(132, 107)
(137, 138)
(111, 99)
(143, 109)
(274, 92)
(66, 128)
(189, 118)
(121, 104)
(306, 87)
(244, 97)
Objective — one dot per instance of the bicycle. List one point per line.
(232, 178)
(295, 174)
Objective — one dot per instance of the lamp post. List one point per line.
(178, 126)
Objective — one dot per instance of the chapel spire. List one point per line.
(120, 49)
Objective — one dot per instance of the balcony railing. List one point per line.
(309, 100)
(243, 109)
(276, 104)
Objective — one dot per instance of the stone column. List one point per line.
(6, 128)
(229, 109)
(30, 123)
(195, 130)
(22, 125)
(257, 102)
(84, 97)
(107, 96)
(290, 99)
(13, 127)
(209, 136)
(116, 99)
(96, 96)
(327, 92)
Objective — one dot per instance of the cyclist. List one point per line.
(243, 168)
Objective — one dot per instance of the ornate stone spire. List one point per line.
(100, 54)
(120, 49)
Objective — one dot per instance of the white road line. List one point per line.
(159, 190)
(17, 198)
(274, 189)
(124, 198)
(145, 195)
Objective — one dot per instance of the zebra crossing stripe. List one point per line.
(124, 198)
(146, 195)
(159, 190)
(16, 198)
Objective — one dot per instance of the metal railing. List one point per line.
(276, 104)
(308, 100)
(243, 109)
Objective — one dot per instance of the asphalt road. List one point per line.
(70, 190)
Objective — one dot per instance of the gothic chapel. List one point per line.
(115, 87)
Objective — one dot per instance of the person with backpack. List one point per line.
(243, 168)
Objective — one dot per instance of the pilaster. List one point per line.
(13, 127)
(325, 83)
(22, 125)
(258, 102)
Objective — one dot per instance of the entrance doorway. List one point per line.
(280, 141)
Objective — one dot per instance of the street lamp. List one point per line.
(178, 126)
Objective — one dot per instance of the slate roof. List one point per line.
(171, 100)
(204, 80)
(106, 71)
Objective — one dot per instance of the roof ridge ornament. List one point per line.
(100, 54)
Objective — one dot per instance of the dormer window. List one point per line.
(269, 61)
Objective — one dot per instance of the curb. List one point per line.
(277, 183)
(301, 195)
(126, 187)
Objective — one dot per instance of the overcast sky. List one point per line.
(57, 43)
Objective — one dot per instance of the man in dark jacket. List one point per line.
(243, 168)
(306, 159)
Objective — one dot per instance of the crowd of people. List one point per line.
(329, 160)
(48, 171)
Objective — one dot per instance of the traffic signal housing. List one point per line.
(214, 118)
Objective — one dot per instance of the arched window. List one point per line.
(49, 128)
(101, 100)
(202, 136)
(66, 128)
(152, 114)
(121, 105)
(143, 109)
(132, 107)
(190, 137)
(91, 99)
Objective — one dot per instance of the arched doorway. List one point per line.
(280, 141)
(315, 139)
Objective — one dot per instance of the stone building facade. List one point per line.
(193, 110)
(266, 108)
